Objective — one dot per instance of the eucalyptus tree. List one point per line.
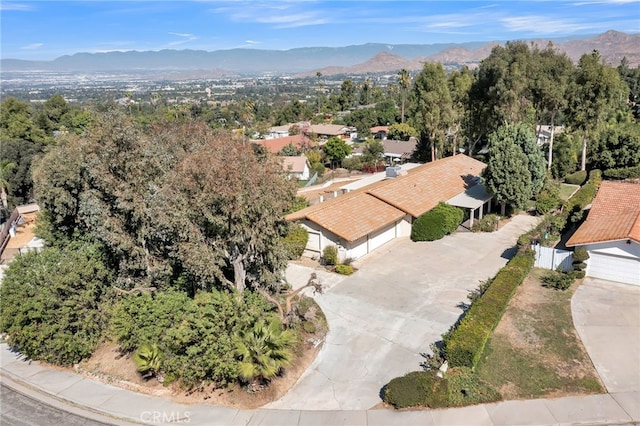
(549, 86)
(431, 107)
(595, 92)
(404, 81)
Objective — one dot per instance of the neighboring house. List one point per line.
(278, 132)
(395, 152)
(543, 133)
(274, 146)
(379, 132)
(364, 219)
(611, 233)
(297, 167)
(326, 131)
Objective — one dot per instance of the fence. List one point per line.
(550, 258)
(4, 234)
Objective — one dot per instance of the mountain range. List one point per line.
(308, 61)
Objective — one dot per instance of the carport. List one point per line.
(474, 198)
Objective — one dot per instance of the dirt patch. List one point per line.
(109, 365)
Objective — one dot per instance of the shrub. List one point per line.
(195, 335)
(52, 303)
(330, 255)
(488, 223)
(579, 274)
(344, 269)
(296, 241)
(465, 343)
(317, 168)
(443, 219)
(580, 254)
(352, 163)
(546, 202)
(557, 280)
(414, 389)
(576, 178)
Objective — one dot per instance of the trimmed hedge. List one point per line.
(330, 255)
(576, 178)
(464, 345)
(623, 173)
(418, 388)
(443, 219)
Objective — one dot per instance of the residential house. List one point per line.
(297, 167)
(366, 218)
(326, 131)
(395, 152)
(611, 233)
(379, 132)
(274, 146)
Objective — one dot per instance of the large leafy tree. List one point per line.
(336, 149)
(174, 199)
(595, 92)
(226, 219)
(501, 94)
(507, 175)
(431, 107)
(616, 147)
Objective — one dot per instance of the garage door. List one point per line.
(614, 268)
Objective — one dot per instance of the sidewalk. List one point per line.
(113, 405)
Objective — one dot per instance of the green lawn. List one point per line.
(567, 190)
(535, 351)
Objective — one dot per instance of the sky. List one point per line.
(45, 30)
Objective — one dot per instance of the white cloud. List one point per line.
(543, 24)
(251, 42)
(21, 7)
(181, 34)
(185, 38)
(32, 46)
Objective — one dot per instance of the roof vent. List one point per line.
(393, 171)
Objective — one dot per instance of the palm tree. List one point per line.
(263, 350)
(6, 167)
(148, 359)
(404, 80)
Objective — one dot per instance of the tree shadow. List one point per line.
(509, 253)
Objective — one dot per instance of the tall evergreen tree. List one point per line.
(507, 175)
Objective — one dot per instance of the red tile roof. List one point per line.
(614, 215)
(274, 146)
(366, 210)
(427, 185)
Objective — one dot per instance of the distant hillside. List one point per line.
(360, 59)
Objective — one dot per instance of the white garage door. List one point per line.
(614, 268)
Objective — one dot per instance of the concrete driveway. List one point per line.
(404, 296)
(607, 318)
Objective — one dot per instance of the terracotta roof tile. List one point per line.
(427, 185)
(366, 210)
(614, 215)
(355, 216)
(274, 146)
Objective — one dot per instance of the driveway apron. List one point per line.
(403, 298)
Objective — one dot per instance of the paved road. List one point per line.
(382, 317)
(19, 410)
